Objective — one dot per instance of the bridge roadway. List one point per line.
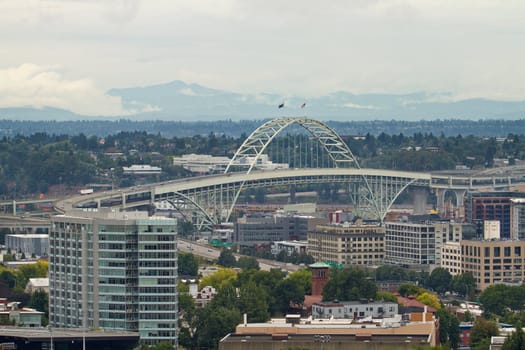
(220, 192)
(208, 252)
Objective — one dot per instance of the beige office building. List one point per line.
(451, 257)
(494, 261)
(348, 244)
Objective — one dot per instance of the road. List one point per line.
(209, 252)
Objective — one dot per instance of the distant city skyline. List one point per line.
(68, 53)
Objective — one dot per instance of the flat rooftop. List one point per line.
(44, 333)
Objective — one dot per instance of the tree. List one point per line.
(429, 299)
(386, 296)
(188, 321)
(252, 302)
(267, 281)
(464, 284)
(448, 328)
(390, 273)
(498, 298)
(288, 292)
(349, 284)
(227, 259)
(481, 332)
(219, 279)
(188, 264)
(303, 278)
(216, 324)
(248, 262)
(407, 289)
(163, 345)
(439, 280)
(40, 302)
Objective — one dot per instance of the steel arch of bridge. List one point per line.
(255, 145)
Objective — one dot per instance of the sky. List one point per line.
(69, 53)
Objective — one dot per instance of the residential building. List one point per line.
(417, 243)
(355, 309)
(205, 296)
(29, 244)
(493, 261)
(114, 270)
(348, 244)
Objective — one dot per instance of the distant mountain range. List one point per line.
(180, 101)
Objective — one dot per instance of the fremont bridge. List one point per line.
(324, 159)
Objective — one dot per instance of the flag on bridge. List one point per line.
(281, 105)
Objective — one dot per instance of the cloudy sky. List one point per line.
(68, 53)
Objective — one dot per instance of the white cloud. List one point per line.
(30, 85)
(358, 106)
(294, 47)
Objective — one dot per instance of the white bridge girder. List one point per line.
(214, 195)
(218, 200)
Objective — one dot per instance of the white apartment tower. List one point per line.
(418, 244)
(114, 270)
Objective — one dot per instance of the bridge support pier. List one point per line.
(419, 197)
(292, 198)
(460, 196)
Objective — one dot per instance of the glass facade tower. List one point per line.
(114, 270)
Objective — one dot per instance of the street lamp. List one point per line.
(51, 335)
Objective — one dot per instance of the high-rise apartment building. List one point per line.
(114, 270)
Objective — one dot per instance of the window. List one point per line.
(497, 251)
(506, 251)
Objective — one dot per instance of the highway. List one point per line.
(208, 252)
